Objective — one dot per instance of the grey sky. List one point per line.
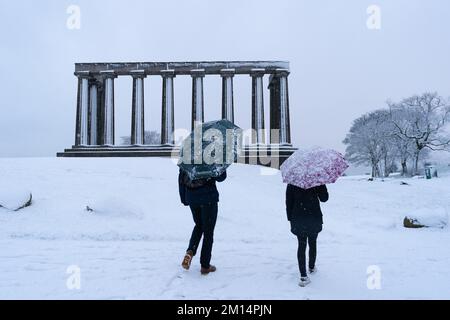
(339, 68)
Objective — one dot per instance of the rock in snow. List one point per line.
(434, 218)
(114, 207)
(14, 199)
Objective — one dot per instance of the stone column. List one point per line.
(108, 107)
(167, 114)
(227, 94)
(285, 127)
(82, 121)
(279, 108)
(137, 110)
(257, 106)
(93, 112)
(198, 115)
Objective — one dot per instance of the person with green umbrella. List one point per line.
(215, 145)
(202, 197)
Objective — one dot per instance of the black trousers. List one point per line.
(303, 240)
(205, 217)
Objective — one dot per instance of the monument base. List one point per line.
(270, 155)
(121, 151)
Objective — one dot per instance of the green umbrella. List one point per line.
(210, 149)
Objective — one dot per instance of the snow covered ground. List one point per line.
(132, 246)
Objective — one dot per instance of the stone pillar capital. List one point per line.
(138, 74)
(227, 73)
(83, 74)
(281, 72)
(168, 73)
(108, 74)
(198, 73)
(256, 73)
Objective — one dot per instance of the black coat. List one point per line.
(207, 193)
(303, 208)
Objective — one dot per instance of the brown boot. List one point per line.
(205, 271)
(187, 259)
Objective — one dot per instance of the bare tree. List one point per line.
(367, 142)
(405, 150)
(422, 120)
(403, 145)
(388, 148)
(150, 137)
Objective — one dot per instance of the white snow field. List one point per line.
(131, 247)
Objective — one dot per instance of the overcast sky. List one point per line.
(339, 67)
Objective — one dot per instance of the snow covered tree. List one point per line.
(405, 150)
(407, 131)
(369, 142)
(420, 123)
(403, 145)
(388, 149)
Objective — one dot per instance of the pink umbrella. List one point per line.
(308, 168)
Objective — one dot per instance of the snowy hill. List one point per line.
(132, 245)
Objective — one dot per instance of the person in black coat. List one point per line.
(202, 198)
(304, 213)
